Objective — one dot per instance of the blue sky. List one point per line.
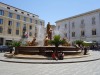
(53, 10)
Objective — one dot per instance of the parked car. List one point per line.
(5, 48)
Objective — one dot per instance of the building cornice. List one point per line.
(97, 10)
(18, 9)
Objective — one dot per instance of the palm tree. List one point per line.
(79, 42)
(56, 41)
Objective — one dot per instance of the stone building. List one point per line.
(14, 20)
(84, 26)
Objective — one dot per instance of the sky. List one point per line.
(53, 10)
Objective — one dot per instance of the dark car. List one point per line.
(5, 48)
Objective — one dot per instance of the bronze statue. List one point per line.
(46, 41)
(66, 42)
(49, 31)
(28, 43)
(33, 43)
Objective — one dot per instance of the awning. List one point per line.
(87, 41)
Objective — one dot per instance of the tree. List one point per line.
(79, 42)
(16, 43)
(56, 41)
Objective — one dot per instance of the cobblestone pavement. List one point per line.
(82, 68)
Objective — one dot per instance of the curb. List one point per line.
(90, 59)
(54, 62)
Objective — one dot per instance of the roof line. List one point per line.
(18, 8)
(79, 15)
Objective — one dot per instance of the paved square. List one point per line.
(84, 68)
(80, 68)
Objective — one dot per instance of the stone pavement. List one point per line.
(81, 68)
(94, 55)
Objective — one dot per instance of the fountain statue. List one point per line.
(46, 41)
(49, 31)
(33, 42)
(66, 42)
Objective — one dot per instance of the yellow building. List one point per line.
(13, 21)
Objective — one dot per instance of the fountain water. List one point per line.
(40, 35)
(60, 31)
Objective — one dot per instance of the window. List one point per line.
(35, 28)
(17, 24)
(28, 14)
(9, 31)
(65, 25)
(94, 32)
(73, 34)
(1, 21)
(30, 27)
(36, 21)
(22, 12)
(82, 22)
(30, 20)
(82, 25)
(17, 32)
(93, 20)
(58, 27)
(65, 34)
(24, 27)
(1, 12)
(8, 7)
(18, 17)
(30, 33)
(15, 10)
(24, 18)
(82, 33)
(9, 23)
(10, 15)
(1, 29)
(40, 23)
(73, 25)
(35, 31)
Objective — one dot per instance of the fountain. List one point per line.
(40, 43)
(40, 35)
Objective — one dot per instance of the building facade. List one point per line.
(84, 27)
(14, 20)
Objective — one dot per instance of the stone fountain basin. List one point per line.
(44, 49)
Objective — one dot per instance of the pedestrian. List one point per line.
(61, 56)
(85, 50)
(54, 57)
